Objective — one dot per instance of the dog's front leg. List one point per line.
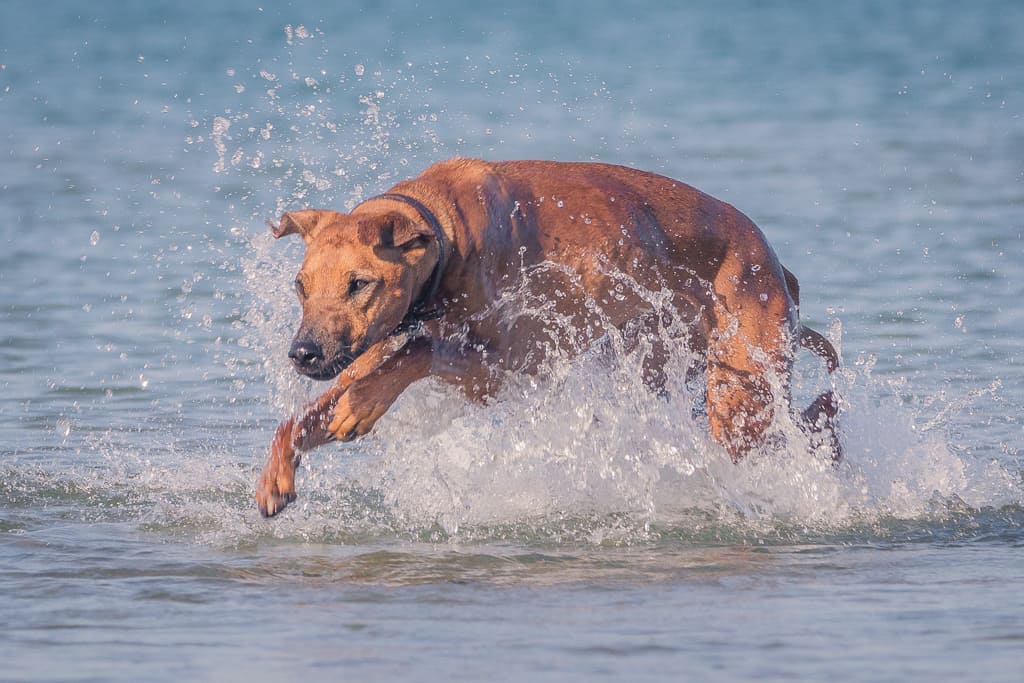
(276, 487)
(367, 398)
(370, 396)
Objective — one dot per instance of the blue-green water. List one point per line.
(145, 315)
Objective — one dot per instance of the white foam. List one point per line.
(596, 444)
(590, 443)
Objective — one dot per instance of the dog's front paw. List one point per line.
(357, 411)
(367, 398)
(270, 502)
(276, 487)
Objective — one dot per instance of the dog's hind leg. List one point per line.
(750, 354)
(819, 422)
(820, 417)
(747, 382)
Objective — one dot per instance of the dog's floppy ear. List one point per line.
(392, 230)
(305, 223)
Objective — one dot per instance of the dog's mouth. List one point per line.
(308, 359)
(323, 361)
(326, 371)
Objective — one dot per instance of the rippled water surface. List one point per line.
(578, 527)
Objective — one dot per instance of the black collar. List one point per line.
(421, 311)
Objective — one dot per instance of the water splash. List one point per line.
(582, 452)
(585, 455)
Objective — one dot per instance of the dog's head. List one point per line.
(360, 276)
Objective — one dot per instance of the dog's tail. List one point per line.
(817, 343)
(819, 420)
(810, 339)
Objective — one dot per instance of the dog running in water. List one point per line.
(404, 287)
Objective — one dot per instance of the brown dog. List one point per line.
(588, 240)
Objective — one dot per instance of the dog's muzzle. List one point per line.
(307, 355)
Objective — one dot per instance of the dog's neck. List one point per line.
(421, 309)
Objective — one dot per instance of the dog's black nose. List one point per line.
(305, 353)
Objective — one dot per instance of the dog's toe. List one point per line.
(274, 504)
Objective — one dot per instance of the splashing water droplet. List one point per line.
(221, 126)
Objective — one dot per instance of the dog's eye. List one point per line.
(299, 289)
(357, 285)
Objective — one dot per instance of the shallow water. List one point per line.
(578, 528)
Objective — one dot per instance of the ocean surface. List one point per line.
(577, 528)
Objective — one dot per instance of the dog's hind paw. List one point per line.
(819, 422)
